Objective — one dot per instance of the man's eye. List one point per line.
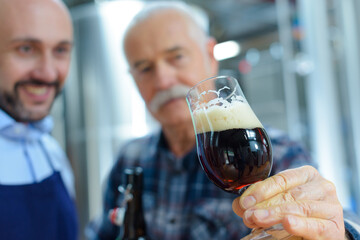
(178, 56)
(145, 69)
(62, 50)
(25, 49)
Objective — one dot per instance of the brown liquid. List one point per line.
(235, 158)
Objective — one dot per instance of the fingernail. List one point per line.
(261, 213)
(248, 202)
(292, 220)
(248, 214)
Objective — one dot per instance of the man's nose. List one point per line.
(45, 69)
(165, 76)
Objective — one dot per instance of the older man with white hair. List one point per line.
(168, 52)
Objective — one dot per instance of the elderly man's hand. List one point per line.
(301, 199)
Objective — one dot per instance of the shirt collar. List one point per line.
(188, 162)
(33, 130)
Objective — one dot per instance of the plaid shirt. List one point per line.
(179, 200)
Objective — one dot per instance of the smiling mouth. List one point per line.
(38, 93)
(36, 90)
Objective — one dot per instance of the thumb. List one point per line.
(236, 207)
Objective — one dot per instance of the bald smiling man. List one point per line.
(36, 180)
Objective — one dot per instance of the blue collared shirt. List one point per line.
(29, 154)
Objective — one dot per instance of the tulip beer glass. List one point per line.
(232, 145)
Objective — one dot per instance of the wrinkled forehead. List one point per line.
(160, 31)
(161, 20)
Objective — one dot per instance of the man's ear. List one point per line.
(211, 42)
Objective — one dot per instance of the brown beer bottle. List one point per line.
(134, 226)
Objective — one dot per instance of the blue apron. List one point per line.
(38, 211)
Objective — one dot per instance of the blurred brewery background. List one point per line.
(297, 61)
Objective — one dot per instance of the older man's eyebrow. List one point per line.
(139, 63)
(173, 49)
(170, 50)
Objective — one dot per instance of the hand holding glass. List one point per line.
(233, 147)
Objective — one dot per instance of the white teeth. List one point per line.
(36, 90)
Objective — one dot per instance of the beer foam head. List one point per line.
(219, 115)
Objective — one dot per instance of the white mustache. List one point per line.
(177, 91)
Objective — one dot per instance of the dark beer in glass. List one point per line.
(233, 147)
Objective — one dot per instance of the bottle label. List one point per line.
(116, 216)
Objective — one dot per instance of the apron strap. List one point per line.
(47, 155)
(28, 161)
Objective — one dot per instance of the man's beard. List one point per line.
(11, 103)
